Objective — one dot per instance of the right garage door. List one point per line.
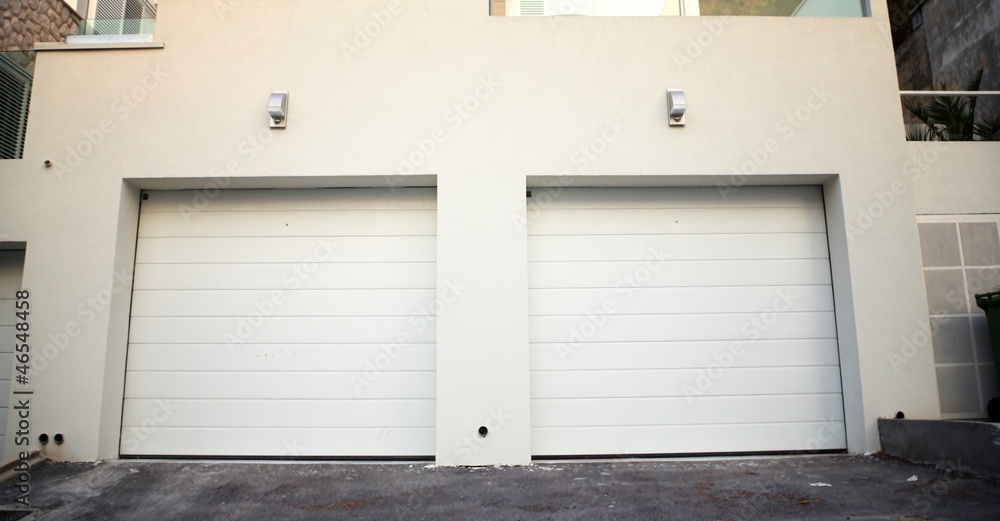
(678, 321)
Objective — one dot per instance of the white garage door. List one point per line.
(11, 264)
(671, 321)
(283, 323)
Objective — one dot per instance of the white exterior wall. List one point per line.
(545, 88)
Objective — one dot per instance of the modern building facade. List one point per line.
(481, 240)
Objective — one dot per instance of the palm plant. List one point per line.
(952, 118)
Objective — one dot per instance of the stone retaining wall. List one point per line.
(25, 22)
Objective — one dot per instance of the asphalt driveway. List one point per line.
(822, 487)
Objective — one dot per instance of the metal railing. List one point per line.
(116, 27)
(951, 115)
(951, 93)
(798, 8)
(120, 17)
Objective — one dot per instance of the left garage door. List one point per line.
(283, 323)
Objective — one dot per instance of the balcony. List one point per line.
(969, 115)
(118, 21)
(802, 8)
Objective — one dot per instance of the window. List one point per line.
(15, 96)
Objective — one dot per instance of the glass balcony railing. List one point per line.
(815, 8)
(951, 115)
(118, 27)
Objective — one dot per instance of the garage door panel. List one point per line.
(692, 197)
(290, 223)
(628, 300)
(654, 328)
(674, 221)
(677, 247)
(279, 442)
(291, 357)
(286, 276)
(277, 330)
(681, 355)
(674, 273)
(287, 303)
(283, 323)
(703, 410)
(7, 334)
(288, 413)
(6, 364)
(690, 439)
(304, 250)
(200, 201)
(325, 385)
(684, 382)
(7, 310)
(638, 300)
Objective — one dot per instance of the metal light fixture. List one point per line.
(277, 108)
(676, 107)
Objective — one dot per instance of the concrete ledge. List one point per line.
(97, 46)
(957, 445)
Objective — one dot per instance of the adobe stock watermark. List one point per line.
(696, 45)
(291, 449)
(921, 340)
(624, 290)
(562, 9)
(134, 436)
(492, 423)
(224, 7)
(543, 197)
(453, 118)
(752, 505)
(419, 321)
(885, 198)
(752, 329)
(94, 137)
(911, 346)
(87, 312)
(830, 432)
(934, 492)
(367, 32)
(249, 148)
(786, 128)
(293, 279)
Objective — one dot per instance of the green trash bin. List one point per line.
(990, 303)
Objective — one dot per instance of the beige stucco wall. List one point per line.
(956, 178)
(542, 89)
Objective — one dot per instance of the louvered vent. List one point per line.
(15, 96)
(532, 8)
(122, 16)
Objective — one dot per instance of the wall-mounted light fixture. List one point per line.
(676, 107)
(277, 108)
